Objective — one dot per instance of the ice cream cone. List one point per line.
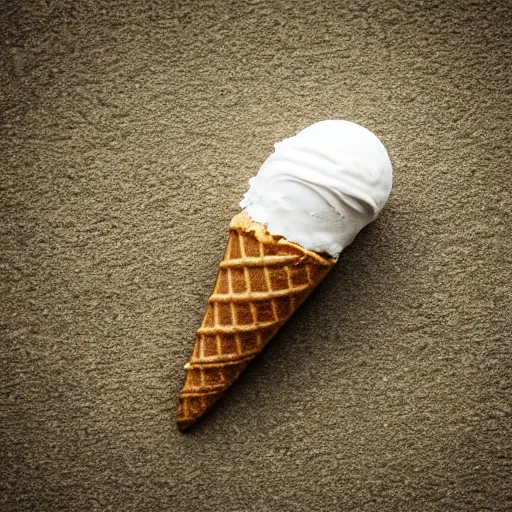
(307, 203)
(262, 280)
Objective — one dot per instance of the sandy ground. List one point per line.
(128, 133)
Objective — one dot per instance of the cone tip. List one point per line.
(184, 424)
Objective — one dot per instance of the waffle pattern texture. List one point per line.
(262, 280)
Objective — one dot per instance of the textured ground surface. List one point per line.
(128, 132)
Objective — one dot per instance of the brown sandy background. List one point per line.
(128, 133)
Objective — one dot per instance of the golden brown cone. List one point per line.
(262, 280)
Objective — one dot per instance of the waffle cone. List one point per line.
(262, 280)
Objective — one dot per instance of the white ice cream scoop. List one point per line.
(321, 187)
